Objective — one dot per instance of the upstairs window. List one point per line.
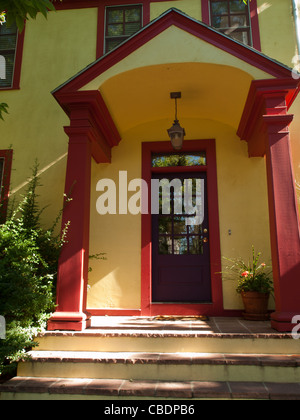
(232, 17)
(121, 23)
(8, 48)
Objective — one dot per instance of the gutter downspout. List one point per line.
(297, 23)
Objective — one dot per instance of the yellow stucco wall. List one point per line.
(295, 144)
(54, 50)
(115, 283)
(277, 30)
(190, 7)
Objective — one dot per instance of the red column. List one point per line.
(73, 264)
(284, 220)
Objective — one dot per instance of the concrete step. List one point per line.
(169, 341)
(162, 366)
(117, 389)
(216, 358)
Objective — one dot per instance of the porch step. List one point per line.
(162, 366)
(142, 358)
(20, 388)
(169, 341)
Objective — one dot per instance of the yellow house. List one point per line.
(92, 93)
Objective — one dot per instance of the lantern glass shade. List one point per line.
(176, 134)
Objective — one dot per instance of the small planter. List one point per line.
(256, 306)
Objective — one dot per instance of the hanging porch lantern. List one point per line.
(176, 132)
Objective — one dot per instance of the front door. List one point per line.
(180, 240)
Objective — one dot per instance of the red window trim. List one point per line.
(101, 5)
(122, 7)
(215, 308)
(101, 19)
(18, 62)
(4, 193)
(253, 17)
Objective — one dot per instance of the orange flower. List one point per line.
(245, 274)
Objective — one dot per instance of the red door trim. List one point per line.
(215, 308)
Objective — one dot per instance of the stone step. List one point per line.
(162, 366)
(168, 341)
(27, 388)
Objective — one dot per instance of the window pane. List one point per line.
(133, 15)
(238, 21)
(113, 43)
(195, 229)
(115, 30)
(183, 159)
(115, 16)
(237, 6)
(196, 245)
(219, 7)
(180, 227)
(165, 245)
(241, 36)
(131, 28)
(180, 245)
(165, 225)
(8, 42)
(220, 21)
(4, 29)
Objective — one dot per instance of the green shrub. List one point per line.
(28, 268)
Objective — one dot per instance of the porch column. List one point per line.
(73, 264)
(265, 126)
(92, 134)
(284, 221)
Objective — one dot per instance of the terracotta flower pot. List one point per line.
(256, 306)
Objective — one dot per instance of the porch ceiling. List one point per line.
(209, 91)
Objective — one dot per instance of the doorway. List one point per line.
(180, 255)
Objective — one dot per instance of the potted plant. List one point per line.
(254, 285)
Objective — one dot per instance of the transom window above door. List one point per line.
(160, 160)
(121, 23)
(232, 17)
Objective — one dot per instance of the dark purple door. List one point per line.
(180, 241)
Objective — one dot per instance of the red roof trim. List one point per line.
(189, 25)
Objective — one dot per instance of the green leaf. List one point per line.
(3, 108)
